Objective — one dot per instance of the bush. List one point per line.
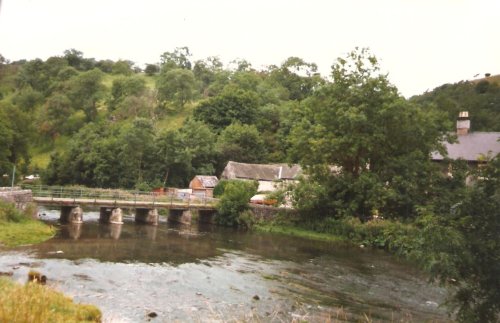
(9, 213)
(219, 188)
(234, 201)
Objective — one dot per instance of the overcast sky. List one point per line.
(420, 43)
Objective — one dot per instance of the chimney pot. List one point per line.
(463, 123)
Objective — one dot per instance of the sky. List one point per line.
(421, 44)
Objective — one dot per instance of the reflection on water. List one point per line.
(206, 273)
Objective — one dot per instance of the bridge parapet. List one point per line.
(110, 197)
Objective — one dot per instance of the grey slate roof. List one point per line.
(472, 146)
(208, 181)
(267, 172)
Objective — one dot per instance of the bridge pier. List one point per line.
(115, 230)
(71, 214)
(75, 230)
(148, 216)
(180, 215)
(206, 216)
(110, 215)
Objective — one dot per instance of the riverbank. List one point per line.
(18, 228)
(393, 236)
(36, 303)
(32, 302)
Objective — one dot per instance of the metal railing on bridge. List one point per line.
(77, 192)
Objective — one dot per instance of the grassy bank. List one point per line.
(33, 302)
(36, 303)
(18, 228)
(393, 236)
(290, 230)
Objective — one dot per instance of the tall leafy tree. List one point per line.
(179, 58)
(177, 86)
(136, 149)
(34, 75)
(123, 87)
(205, 72)
(379, 142)
(241, 143)
(57, 110)
(233, 105)
(86, 90)
(299, 77)
(16, 134)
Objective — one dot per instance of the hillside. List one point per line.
(481, 98)
(103, 123)
(491, 79)
(93, 114)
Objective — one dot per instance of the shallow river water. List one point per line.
(205, 274)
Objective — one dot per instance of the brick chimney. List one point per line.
(463, 123)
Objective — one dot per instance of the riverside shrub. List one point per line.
(234, 201)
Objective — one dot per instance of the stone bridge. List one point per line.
(111, 202)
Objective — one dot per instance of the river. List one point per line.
(171, 272)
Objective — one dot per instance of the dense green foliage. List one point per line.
(364, 148)
(379, 142)
(481, 99)
(234, 201)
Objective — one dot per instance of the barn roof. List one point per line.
(267, 172)
(207, 181)
(472, 146)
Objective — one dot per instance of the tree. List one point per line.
(6, 133)
(151, 69)
(16, 132)
(136, 149)
(85, 90)
(228, 107)
(205, 72)
(122, 67)
(176, 85)
(33, 74)
(125, 86)
(241, 143)
(380, 142)
(172, 159)
(27, 99)
(298, 77)
(74, 58)
(181, 154)
(478, 220)
(105, 65)
(57, 111)
(460, 246)
(179, 58)
(199, 143)
(66, 73)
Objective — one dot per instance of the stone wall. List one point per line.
(21, 198)
(268, 213)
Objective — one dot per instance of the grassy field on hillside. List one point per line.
(40, 154)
